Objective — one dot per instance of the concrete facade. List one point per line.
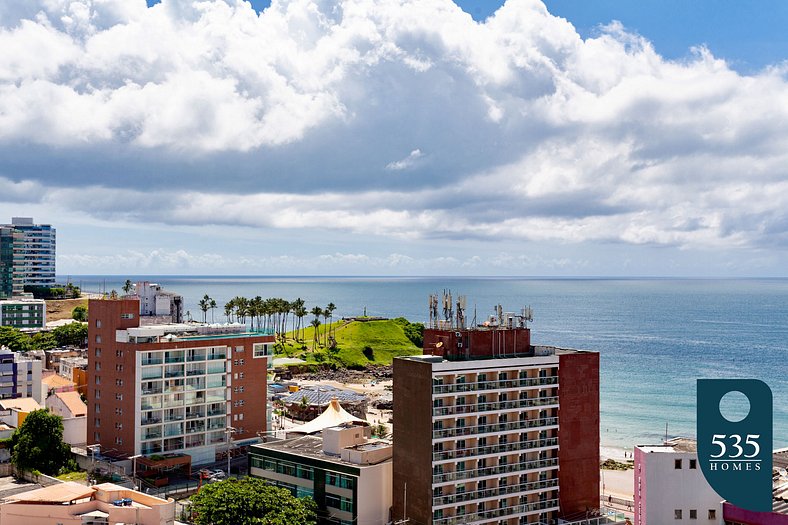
(23, 313)
(156, 389)
(38, 251)
(670, 487)
(348, 476)
(480, 436)
(20, 376)
(12, 281)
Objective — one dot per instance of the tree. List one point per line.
(38, 443)
(316, 325)
(330, 307)
(251, 501)
(80, 313)
(205, 304)
(212, 306)
(127, 286)
(43, 341)
(14, 339)
(72, 334)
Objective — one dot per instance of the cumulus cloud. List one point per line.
(207, 112)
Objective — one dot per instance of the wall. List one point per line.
(478, 343)
(665, 489)
(748, 517)
(578, 432)
(374, 494)
(75, 430)
(412, 440)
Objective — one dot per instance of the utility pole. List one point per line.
(405, 518)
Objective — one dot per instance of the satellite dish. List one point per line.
(438, 345)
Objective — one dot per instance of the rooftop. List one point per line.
(312, 446)
(322, 395)
(674, 445)
(23, 404)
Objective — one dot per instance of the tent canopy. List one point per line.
(332, 416)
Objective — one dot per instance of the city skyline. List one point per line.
(367, 138)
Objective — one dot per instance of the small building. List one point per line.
(14, 411)
(348, 475)
(23, 313)
(20, 376)
(52, 383)
(74, 411)
(157, 302)
(73, 504)
(670, 486)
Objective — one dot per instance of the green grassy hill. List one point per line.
(358, 343)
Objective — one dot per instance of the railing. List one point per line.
(151, 435)
(173, 359)
(150, 421)
(494, 385)
(217, 412)
(174, 417)
(499, 405)
(507, 490)
(152, 361)
(494, 449)
(495, 427)
(550, 505)
(198, 357)
(460, 475)
(194, 415)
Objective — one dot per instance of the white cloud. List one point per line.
(206, 113)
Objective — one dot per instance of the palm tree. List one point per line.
(327, 328)
(317, 312)
(212, 306)
(330, 309)
(127, 286)
(204, 304)
(228, 310)
(316, 325)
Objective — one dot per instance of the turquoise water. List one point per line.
(655, 337)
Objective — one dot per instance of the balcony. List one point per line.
(496, 427)
(509, 468)
(151, 361)
(500, 513)
(498, 492)
(500, 405)
(495, 385)
(150, 421)
(494, 449)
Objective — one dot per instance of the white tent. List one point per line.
(332, 416)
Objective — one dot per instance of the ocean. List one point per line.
(655, 336)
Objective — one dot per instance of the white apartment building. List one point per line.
(38, 249)
(670, 486)
(20, 376)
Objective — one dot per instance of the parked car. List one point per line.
(218, 474)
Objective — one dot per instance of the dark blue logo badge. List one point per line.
(735, 454)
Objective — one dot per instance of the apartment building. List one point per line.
(37, 251)
(174, 387)
(12, 280)
(23, 313)
(20, 376)
(490, 429)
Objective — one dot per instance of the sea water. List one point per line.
(656, 337)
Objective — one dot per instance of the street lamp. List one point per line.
(92, 449)
(229, 432)
(134, 470)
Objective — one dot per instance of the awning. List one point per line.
(94, 514)
(332, 416)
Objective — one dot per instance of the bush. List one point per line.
(80, 313)
(369, 353)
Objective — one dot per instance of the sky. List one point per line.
(380, 137)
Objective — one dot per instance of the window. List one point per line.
(97, 408)
(119, 411)
(119, 368)
(712, 514)
(98, 323)
(693, 514)
(118, 441)
(241, 375)
(127, 316)
(98, 352)
(119, 396)
(97, 394)
(97, 379)
(260, 350)
(239, 348)
(241, 362)
(98, 339)
(119, 382)
(118, 353)
(677, 466)
(96, 422)
(693, 463)
(677, 513)
(98, 366)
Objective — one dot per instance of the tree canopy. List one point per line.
(74, 334)
(38, 443)
(251, 501)
(80, 313)
(14, 339)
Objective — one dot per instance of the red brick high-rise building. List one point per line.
(491, 429)
(172, 387)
